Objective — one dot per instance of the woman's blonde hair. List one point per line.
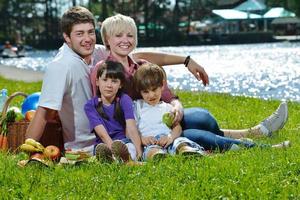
(117, 24)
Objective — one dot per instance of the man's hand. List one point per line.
(148, 140)
(198, 72)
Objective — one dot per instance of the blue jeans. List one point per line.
(201, 127)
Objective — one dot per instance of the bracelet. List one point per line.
(186, 61)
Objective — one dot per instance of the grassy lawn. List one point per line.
(246, 174)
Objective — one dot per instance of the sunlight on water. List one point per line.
(268, 71)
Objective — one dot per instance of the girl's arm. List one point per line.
(165, 141)
(133, 134)
(102, 133)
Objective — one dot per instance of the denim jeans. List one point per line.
(201, 127)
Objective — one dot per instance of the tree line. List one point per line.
(36, 22)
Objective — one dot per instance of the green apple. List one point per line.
(70, 156)
(19, 117)
(168, 119)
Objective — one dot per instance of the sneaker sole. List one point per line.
(283, 122)
(103, 154)
(286, 114)
(120, 151)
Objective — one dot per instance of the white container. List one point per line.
(3, 98)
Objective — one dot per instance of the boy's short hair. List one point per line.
(149, 76)
(116, 24)
(76, 15)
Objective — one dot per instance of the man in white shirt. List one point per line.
(66, 86)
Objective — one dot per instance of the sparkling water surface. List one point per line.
(268, 70)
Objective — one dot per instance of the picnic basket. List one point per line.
(52, 134)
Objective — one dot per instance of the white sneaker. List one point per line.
(276, 121)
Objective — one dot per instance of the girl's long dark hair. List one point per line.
(113, 70)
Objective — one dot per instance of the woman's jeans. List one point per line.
(201, 127)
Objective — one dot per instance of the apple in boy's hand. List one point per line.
(168, 119)
(52, 152)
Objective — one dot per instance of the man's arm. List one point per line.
(162, 59)
(36, 127)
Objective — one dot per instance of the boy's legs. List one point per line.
(154, 152)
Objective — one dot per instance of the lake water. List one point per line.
(268, 71)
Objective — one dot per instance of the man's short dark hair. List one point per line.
(75, 15)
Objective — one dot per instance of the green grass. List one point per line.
(246, 174)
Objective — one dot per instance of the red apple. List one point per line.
(52, 152)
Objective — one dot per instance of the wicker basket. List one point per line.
(16, 131)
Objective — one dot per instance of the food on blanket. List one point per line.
(76, 155)
(37, 156)
(11, 116)
(52, 152)
(15, 109)
(70, 156)
(29, 115)
(29, 148)
(168, 119)
(19, 117)
(34, 143)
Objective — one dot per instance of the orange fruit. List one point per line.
(29, 115)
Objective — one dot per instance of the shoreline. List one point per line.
(17, 74)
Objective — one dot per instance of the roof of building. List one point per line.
(235, 14)
(278, 12)
(251, 5)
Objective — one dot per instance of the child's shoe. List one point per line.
(186, 150)
(120, 151)
(103, 153)
(156, 154)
